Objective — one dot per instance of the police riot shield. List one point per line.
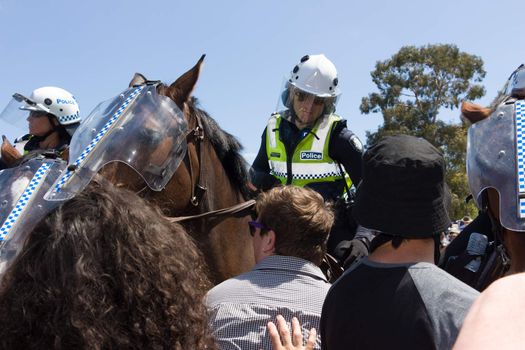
(22, 204)
(139, 127)
(496, 159)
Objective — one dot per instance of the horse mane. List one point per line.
(227, 146)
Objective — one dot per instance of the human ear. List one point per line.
(269, 241)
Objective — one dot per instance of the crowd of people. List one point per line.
(106, 270)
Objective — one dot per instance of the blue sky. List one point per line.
(92, 48)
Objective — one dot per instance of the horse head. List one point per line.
(496, 163)
(211, 176)
(180, 184)
(9, 154)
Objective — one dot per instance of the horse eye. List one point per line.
(150, 136)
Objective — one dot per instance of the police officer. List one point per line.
(306, 144)
(53, 117)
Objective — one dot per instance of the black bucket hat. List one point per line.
(403, 191)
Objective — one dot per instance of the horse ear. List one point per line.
(473, 112)
(8, 153)
(138, 79)
(180, 91)
(65, 154)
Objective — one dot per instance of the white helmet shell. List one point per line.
(316, 75)
(59, 102)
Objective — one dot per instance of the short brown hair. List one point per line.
(300, 219)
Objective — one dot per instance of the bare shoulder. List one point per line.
(496, 319)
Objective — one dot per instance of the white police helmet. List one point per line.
(316, 75)
(59, 102)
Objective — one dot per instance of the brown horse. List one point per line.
(211, 177)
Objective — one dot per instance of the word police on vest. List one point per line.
(311, 155)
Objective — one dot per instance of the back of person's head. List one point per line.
(300, 219)
(403, 192)
(105, 271)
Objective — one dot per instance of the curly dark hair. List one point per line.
(105, 271)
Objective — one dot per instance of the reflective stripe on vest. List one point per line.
(310, 161)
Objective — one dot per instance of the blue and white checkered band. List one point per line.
(315, 176)
(97, 138)
(24, 199)
(278, 173)
(68, 118)
(520, 152)
(306, 176)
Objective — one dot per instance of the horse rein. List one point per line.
(238, 208)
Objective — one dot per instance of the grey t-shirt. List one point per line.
(394, 306)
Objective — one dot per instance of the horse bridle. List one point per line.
(198, 188)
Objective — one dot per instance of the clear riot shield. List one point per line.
(14, 117)
(139, 127)
(496, 159)
(22, 203)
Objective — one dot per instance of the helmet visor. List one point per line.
(495, 159)
(21, 203)
(140, 128)
(17, 111)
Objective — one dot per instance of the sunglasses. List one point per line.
(303, 96)
(256, 225)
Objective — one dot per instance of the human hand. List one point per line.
(285, 341)
(357, 249)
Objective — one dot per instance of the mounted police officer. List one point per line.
(306, 144)
(53, 117)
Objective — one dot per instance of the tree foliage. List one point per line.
(414, 85)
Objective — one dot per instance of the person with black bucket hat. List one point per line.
(397, 298)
